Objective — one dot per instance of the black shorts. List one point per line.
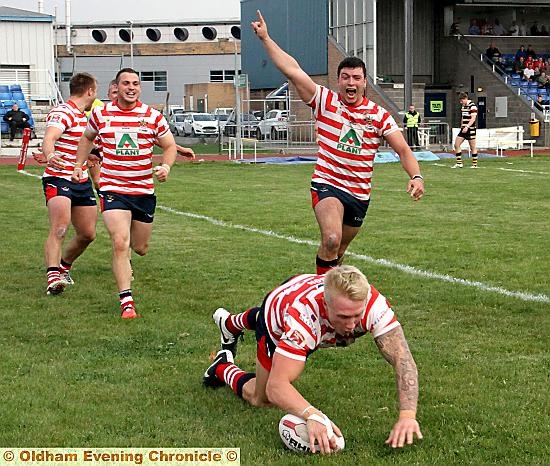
(141, 206)
(355, 210)
(80, 194)
(468, 135)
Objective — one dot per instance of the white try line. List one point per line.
(516, 170)
(541, 298)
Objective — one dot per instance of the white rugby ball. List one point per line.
(294, 434)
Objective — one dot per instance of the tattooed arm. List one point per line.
(394, 348)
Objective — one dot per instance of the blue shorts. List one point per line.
(142, 207)
(355, 210)
(80, 194)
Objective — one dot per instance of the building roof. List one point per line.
(15, 14)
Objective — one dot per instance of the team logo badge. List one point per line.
(126, 144)
(142, 123)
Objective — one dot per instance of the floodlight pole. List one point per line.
(131, 23)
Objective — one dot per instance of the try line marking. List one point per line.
(516, 170)
(540, 298)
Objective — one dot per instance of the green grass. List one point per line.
(75, 374)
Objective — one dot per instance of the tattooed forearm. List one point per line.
(395, 350)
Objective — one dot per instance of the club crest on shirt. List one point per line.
(142, 123)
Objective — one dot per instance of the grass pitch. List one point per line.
(466, 270)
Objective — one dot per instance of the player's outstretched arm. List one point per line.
(185, 151)
(415, 185)
(282, 393)
(393, 346)
(284, 62)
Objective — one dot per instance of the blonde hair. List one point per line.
(348, 281)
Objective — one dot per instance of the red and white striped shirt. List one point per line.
(72, 122)
(348, 139)
(127, 139)
(297, 318)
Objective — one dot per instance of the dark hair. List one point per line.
(352, 62)
(80, 83)
(125, 70)
(462, 95)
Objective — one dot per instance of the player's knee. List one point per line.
(141, 249)
(120, 245)
(87, 236)
(60, 232)
(331, 242)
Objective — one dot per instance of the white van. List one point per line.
(222, 111)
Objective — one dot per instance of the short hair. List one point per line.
(80, 83)
(348, 281)
(352, 62)
(125, 70)
(112, 82)
(462, 95)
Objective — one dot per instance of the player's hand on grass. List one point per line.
(403, 433)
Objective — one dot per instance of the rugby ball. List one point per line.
(294, 434)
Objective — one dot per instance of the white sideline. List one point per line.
(540, 298)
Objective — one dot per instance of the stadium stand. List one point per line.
(12, 94)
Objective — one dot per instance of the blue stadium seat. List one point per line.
(5, 96)
(5, 127)
(515, 76)
(8, 103)
(15, 88)
(4, 88)
(22, 104)
(533, 84)
(17, 95)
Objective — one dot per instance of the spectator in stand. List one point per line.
(531, 52)
(16, 119)
(474, 28)
(513, 30)
(528, 72)
(523, 28)
(493, 53)
(535, 29)
(536, 74)
(485, 28)
(540, 63)
(520, 65)
(520, 53)
(455, 28)
(543, 80)
(541, 103)
(498, 29)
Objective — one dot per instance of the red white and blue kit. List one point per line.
(348, 138)
(72, 122)
(127, 139)
(296, 318)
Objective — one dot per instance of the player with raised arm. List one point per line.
(350, 130)
(303, 314)
(128, 130)
(68, 201)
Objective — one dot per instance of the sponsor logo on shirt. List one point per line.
(349, 142)
(126, 144)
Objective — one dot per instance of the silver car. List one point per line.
(273, 126)
(200, 124)
(176, 124)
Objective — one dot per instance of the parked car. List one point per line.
(200, 124)
(222, 110)
(222, 120)
(249, 124)
(273, 126)
(176, 124)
